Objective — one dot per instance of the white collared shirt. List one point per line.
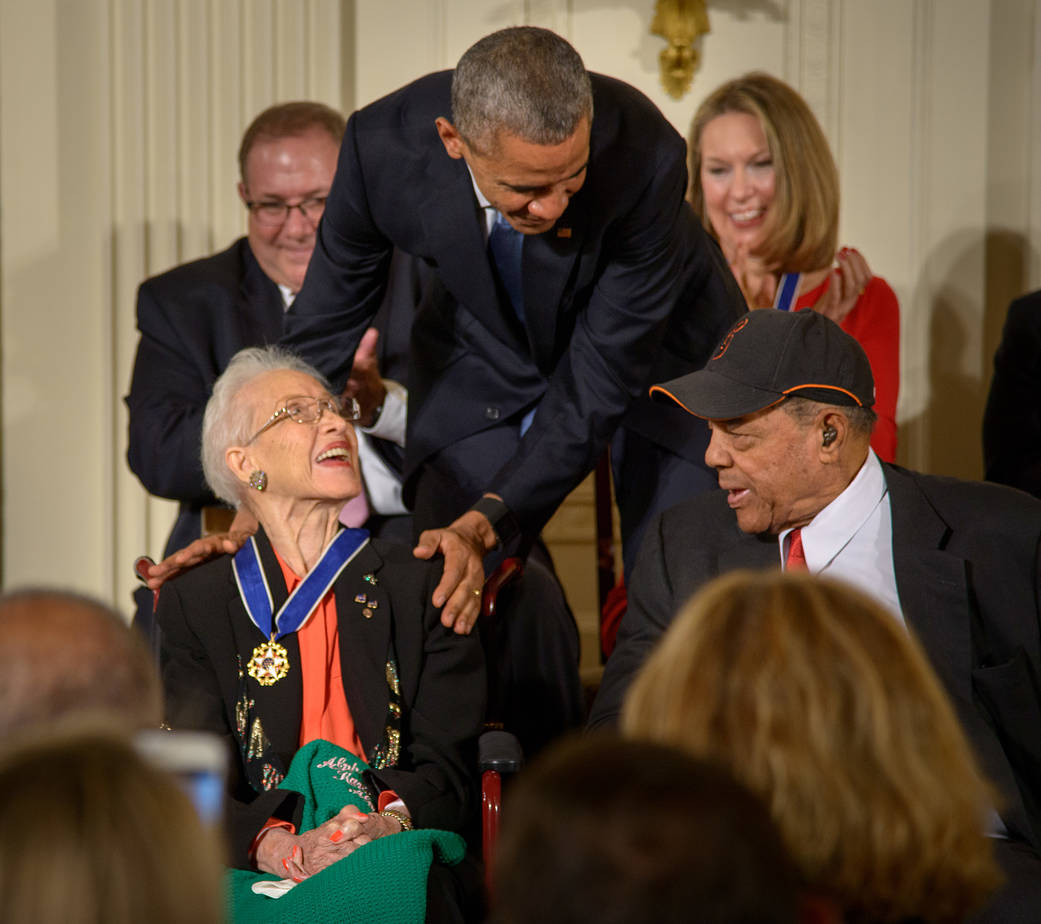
(489, 211)
(852, 538)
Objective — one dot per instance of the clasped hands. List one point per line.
(759, 283)
(298, 856)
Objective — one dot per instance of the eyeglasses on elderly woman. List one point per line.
(304, 409)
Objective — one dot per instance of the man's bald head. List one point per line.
(66, 655)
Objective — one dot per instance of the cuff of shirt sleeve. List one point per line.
(503, 522)
(390, 425)
(391, 800)
(269, 825)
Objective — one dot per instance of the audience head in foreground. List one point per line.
(91, 833)
(624, 832)
(823, 704)
(67, 655)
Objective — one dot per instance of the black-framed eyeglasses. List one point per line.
(304, 410)
(276, 213)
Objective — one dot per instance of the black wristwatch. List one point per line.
(504, 523)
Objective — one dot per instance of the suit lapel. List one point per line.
(260, 308)
(547, 266)
(932, 585)
(364, 620)
(452, 226)
(936, 599)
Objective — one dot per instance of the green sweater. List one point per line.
(383, 881)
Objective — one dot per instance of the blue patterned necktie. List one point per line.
(506, 244)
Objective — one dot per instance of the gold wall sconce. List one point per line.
(679, 22)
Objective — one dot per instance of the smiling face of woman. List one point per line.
(303, 461)
(737, 181)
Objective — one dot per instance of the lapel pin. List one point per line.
(370, 578)
(367, 613)
(563, 232)
(360, 598)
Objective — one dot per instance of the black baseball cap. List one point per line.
(770, 355)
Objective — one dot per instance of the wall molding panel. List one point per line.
(134, 117)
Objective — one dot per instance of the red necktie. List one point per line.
(796, 560)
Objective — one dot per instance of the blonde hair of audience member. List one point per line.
(90, 833)
(803, 234)
(823, 703)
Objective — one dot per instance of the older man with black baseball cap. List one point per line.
(788, 398)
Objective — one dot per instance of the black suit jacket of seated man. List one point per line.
(967, 558)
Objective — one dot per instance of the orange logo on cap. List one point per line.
(725, 345)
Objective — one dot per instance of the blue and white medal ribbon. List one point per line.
(270, 660)
(785, 298)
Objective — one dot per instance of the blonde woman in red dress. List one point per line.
(764, 182)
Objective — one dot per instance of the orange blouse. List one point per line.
(325, 711)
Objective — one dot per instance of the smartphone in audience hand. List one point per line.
(196, 759)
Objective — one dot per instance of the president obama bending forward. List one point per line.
(788, 398)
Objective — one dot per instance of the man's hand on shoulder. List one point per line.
(463, 544)
(242, 527)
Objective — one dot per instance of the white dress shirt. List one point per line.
(852, 538)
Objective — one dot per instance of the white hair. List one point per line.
(227, 422)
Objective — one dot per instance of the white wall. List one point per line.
(119, 121)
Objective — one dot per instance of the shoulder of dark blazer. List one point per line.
(689, 518)
(203, 580)
(1026, 309)
(963, 502)
(207, 577)
(223, 271)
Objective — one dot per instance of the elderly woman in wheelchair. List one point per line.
(350, 712)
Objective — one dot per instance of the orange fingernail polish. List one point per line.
(336, 836)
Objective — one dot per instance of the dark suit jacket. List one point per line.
(599, 288)
(192, 320)
(1012, 420)
(208, 639)
(967, 569)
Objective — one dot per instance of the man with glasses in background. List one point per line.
(195, 317)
